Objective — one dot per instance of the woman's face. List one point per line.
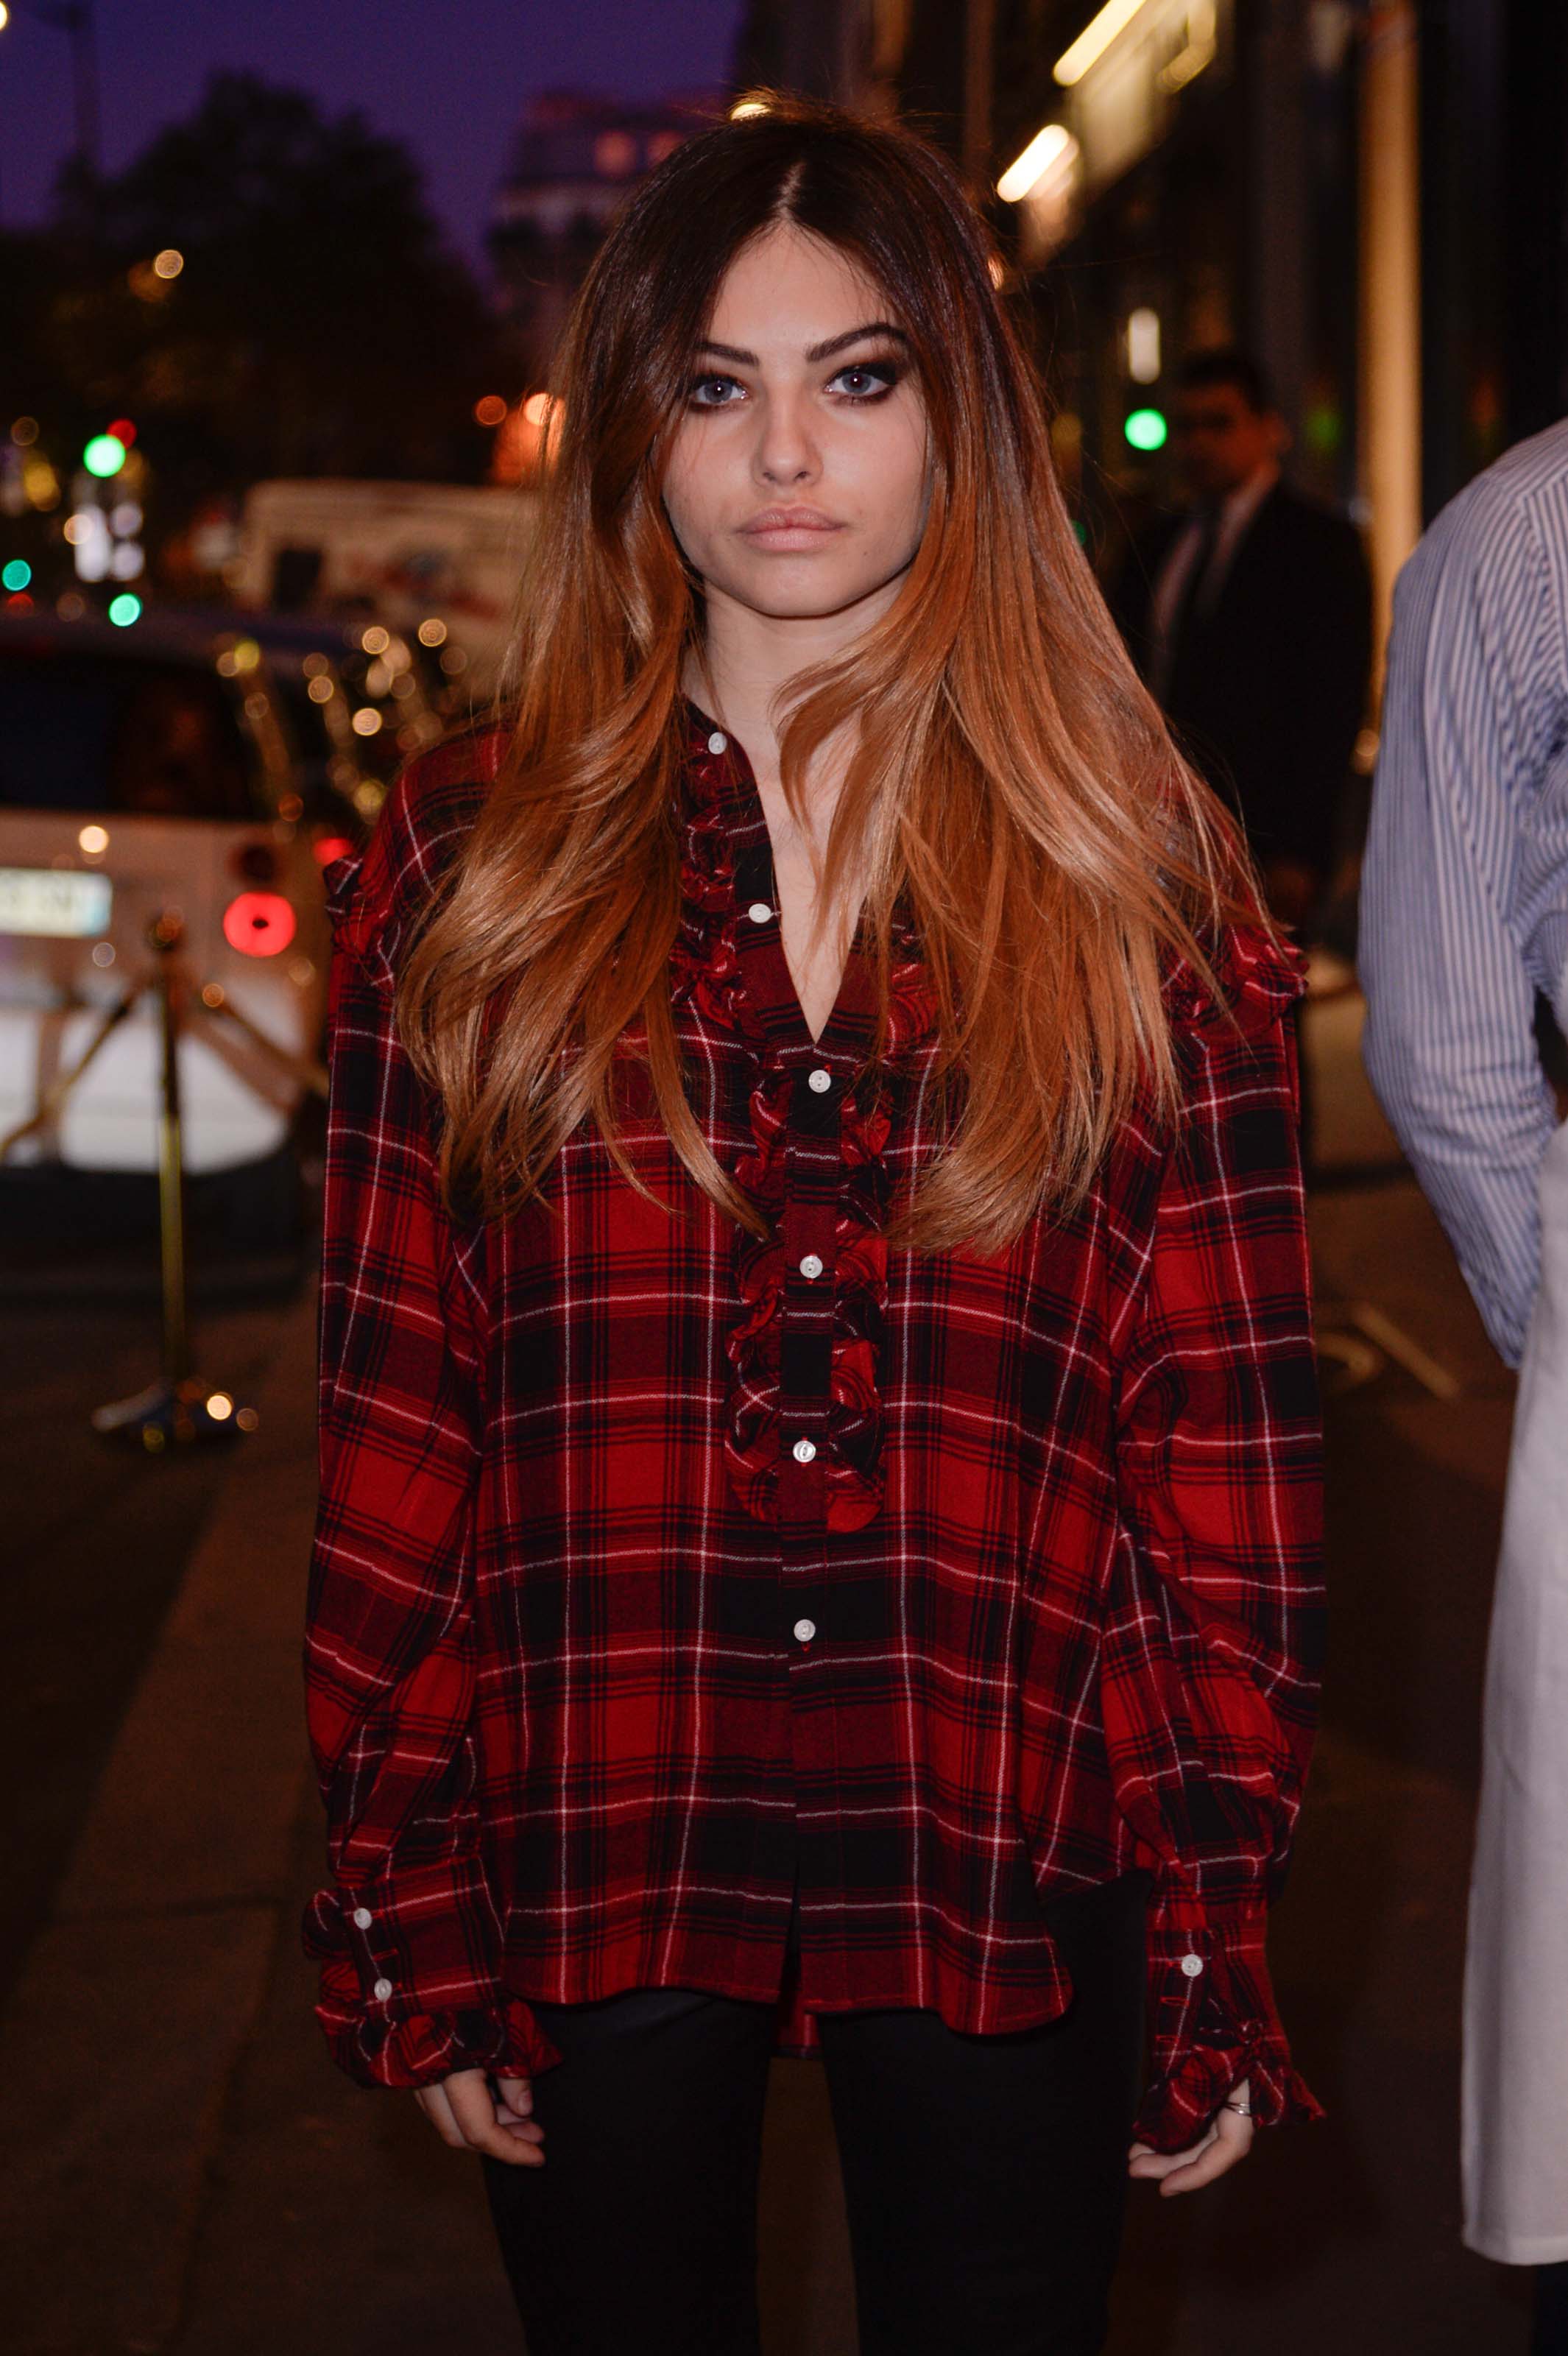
(799, 479)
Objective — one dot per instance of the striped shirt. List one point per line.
(1465, 903)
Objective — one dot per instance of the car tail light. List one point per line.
(259, 923)
(257, 861)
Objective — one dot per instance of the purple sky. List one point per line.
(449, 76)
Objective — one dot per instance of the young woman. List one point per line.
(819, 1529)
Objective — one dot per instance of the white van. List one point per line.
(438, 562)
(145, 772)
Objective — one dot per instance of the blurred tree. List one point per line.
(317, 324)
(31, 381)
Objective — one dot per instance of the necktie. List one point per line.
(1186, 603)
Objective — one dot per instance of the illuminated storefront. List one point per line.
(1369, 195)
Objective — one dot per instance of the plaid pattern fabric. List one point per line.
(658, 1565)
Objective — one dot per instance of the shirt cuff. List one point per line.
(1212, 2022)
(411, 1979)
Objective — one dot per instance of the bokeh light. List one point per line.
(1146, 429)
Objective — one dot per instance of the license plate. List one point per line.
(56, 903)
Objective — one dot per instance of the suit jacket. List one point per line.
(1267, 690)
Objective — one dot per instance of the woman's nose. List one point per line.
(786, 453)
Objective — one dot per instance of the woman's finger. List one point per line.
(475, 2110)
(513, 2099)
(1143, 2160)
(432, 2101)
(1228, 2146)
(1228, 2127)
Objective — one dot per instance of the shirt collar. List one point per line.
(717, 775)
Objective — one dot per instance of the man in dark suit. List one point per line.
(1250, 617)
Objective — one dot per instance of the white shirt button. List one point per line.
(718, 742)
(1192, 1966)
(805, 1629)
(759, 911)
(363, 1918)
(382, 1991)
(804, 1450)
(811, 1265)
(819, 1081)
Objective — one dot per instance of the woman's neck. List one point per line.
(747, 659)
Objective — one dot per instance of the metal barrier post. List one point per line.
(165, 935)
(180, 1408)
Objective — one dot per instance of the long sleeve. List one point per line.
(1474, 713)
(408, 1932)
(1214, 1623)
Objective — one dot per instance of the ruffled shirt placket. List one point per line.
(804, 1428)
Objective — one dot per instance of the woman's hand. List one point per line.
(1227, 2140)
(465, 2114)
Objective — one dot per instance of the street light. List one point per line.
(1048, 149)
(105, 455)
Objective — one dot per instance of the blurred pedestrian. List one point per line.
(1249, 616)
(820, 1516)
(1465, 918)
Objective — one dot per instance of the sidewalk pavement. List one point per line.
(186, 2173)
(189, 2176)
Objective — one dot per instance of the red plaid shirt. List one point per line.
(659, 1568)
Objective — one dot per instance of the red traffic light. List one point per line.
(123, 430)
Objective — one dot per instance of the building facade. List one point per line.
(1369, 195)
(573, 163)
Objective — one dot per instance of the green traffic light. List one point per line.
(18, 573)
(105, 455)
(1146, 429)
(126, 609)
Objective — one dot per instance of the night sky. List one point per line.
(449, 76)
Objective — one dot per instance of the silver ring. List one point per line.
(1243, 2110)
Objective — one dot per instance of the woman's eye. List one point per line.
(714, 392)
(865, 381)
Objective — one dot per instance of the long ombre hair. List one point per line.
(1011, 781)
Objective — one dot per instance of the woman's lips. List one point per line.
(789, 528)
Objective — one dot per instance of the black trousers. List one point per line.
(985, 2177)
(1549, 2337)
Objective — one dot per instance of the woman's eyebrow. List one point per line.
(883, 327)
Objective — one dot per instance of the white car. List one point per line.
(145, 774)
